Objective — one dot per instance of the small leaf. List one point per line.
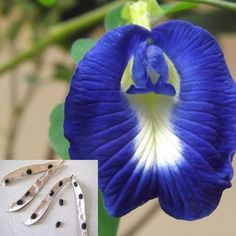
(56, 134)
(108, 225)
(80, 47)
(113, 19)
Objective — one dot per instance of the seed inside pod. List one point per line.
(19, 202)
(51, 193)
(80, 196)
(29, 171)
(58, 224)
(33, 216)
(60, 184)
(27, 193)
(61, 202)
(75, 184)
(50, 166)
(7, 181)
(84, 226)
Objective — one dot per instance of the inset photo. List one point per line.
(39, 197)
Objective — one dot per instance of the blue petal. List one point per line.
(156, 61)
(133, 90)
(150, 71)
(176, 148)
(139, 73)
(204, 119)
(99, 123)
(164, 88)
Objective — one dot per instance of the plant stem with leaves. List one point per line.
(61, 31)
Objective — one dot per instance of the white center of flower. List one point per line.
(156, 143)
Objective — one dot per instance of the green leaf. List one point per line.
(80, 47)
(108, 225)
(56, 137)
(47, 3)
(113, 19)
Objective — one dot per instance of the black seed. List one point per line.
(27, 193)
(61, 202)
(51, 193)
(80, 196)
(58, 224)
(19, 202)
(33, 216)
(50, 166)
(29, 171)
(83, 226)
(60, 183)
(7, 181)
(75, 184)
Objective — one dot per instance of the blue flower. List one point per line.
(168, 130)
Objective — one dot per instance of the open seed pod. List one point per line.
(44, 205)
(34, 189)
(28, 170)
(79, 196)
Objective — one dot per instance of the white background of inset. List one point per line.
(11, 223)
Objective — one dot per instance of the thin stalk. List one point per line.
(216, 3)
(60, 32)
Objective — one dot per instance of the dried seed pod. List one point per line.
(34, 189)
(44, 205)
(28, 170)
(80, 206)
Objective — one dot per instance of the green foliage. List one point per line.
(120, 15)
(47, 3)
(108, 225)
(62, 72)
(229, 5)
(80, 47)
(56, 134)
(113, 19)
(176, 7)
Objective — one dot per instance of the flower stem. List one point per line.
(60, 32)
(217, 3)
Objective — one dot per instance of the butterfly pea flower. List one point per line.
(157, 109)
